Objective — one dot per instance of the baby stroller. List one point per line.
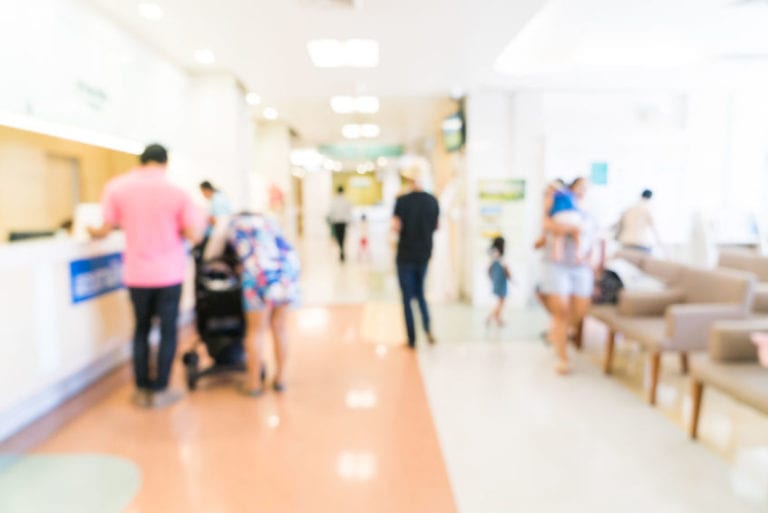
(220, 319)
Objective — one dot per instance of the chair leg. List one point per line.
(609, 347)
(697, 388)
(684, 363)
(655, 366)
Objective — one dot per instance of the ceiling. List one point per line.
(589, 35)
(428, 48)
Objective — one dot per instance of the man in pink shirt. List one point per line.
(156, 217)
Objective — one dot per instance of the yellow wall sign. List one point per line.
(501, 191)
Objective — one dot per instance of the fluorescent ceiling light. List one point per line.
(309, 159)
(252, 99)
(351, 131)
(205, 57)
(271, 113)
(343, 104)
(352, 104)
(370, 131)
(353, 53)
(367, 104)
(151, 11)
(70, 133)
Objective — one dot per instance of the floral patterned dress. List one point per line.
(270, 265)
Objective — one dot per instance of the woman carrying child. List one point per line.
(567, 280)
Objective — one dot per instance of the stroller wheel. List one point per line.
(191, 361)
(190, 358)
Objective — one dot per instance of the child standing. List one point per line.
(363, 233)
(499, 274)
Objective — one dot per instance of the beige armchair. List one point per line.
(752, 262)
(677, 319)
(730, 366)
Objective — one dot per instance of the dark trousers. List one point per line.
(411, 278)
(162, 302)
(340, 232)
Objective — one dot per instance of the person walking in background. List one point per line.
(415, 221)
(156, 217)
(339, 217)
(269, 276)
(500, 276)
(218, 204)
(637, 229)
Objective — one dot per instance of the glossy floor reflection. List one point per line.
(353, 432)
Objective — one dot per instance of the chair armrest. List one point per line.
(639, 303)
(729, 341)
(688, 325)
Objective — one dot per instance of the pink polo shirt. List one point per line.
(152, 212)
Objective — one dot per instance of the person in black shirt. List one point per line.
(415, 220)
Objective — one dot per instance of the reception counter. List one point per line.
(65, 320)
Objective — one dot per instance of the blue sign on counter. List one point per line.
(92, 277)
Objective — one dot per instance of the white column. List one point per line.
(218, 139)
(271, 172)
(492, 154)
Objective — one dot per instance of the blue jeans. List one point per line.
(411, 278)
(162, 302)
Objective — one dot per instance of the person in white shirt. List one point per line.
(637, 229)
(339, 216)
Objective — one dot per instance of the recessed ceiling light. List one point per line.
(370, 131)
(252, 99)
(343, 104)
(353, 53)
(151, 11)
(351, 104)
(271, 113)
(351, 131)
(205, 57)
(367, 104)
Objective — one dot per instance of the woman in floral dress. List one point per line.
(269, 276)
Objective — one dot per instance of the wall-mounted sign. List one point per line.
(599, 173)
(501, 191)
(501, 206)
(93, 277)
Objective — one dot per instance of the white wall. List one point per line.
(64, 62)
(216, 143)
(703, 151)
(272, 168)
(491, 154)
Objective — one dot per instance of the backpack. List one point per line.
(607, 288)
